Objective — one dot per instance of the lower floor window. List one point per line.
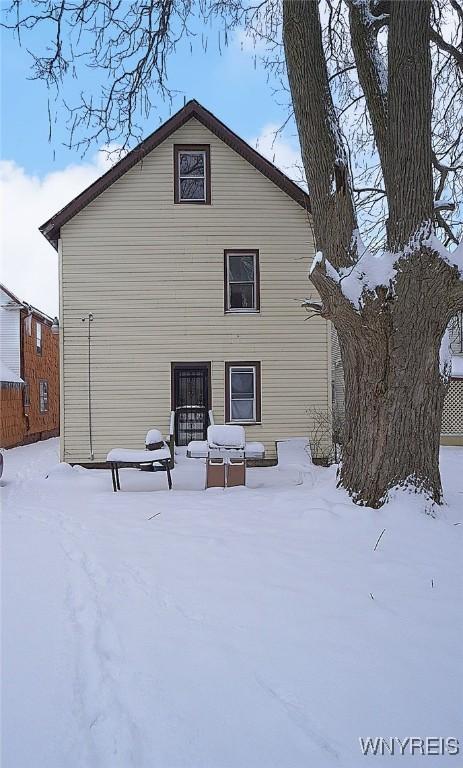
(242, 392)
(43, 396)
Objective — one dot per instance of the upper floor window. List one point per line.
(28, 324)
(38, 337)
(242, 281)
(192, 173)
(43, 396)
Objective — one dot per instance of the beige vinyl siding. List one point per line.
(152, 274)
(10, 333)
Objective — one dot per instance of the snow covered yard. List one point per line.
(247, 628)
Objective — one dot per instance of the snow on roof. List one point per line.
(10, 297)
(8, 375)
(10, 301)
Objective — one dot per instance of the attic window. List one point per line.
(192, 174)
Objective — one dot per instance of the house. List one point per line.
(29, 393)
(182, 273)
(452, 416)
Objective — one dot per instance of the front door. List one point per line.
(190, 395)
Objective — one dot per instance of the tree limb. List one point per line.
(325, 159)
(410, 194)
(372, 76)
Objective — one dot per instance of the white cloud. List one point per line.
(29, 264)
(281, 152)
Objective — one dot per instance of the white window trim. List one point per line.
(246, 368)
(203, 177)
(243, 311)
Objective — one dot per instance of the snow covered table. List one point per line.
(199, 449)
(225, 451)
(228, 440)
(127, 457)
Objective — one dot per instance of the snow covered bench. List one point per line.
(156, 456)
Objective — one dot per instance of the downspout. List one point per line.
(26, 388)
(89, 319)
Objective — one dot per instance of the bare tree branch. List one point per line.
(444, 46)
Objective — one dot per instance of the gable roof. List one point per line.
(15, 302)
(192, 109)
(11, 295)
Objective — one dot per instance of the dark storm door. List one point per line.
(190, 392)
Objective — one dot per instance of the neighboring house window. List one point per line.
(28, 324)
(38, 337)
(456, 334)
(192, 173)
(26, 395)
(242, 281)
(242, 392)
(43, 396)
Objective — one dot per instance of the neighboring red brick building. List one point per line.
(29, 393)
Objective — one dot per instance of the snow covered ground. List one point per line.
(247, 628)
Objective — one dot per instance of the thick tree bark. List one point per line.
(410, 200)
(390, 344)
(395, 390)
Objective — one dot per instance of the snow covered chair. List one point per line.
(156, 456)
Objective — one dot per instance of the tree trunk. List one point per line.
(394, 398)
(394, 385)
(390, 344)
(391, 438)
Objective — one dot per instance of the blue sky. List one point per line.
(37, 177)
(229, 84)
